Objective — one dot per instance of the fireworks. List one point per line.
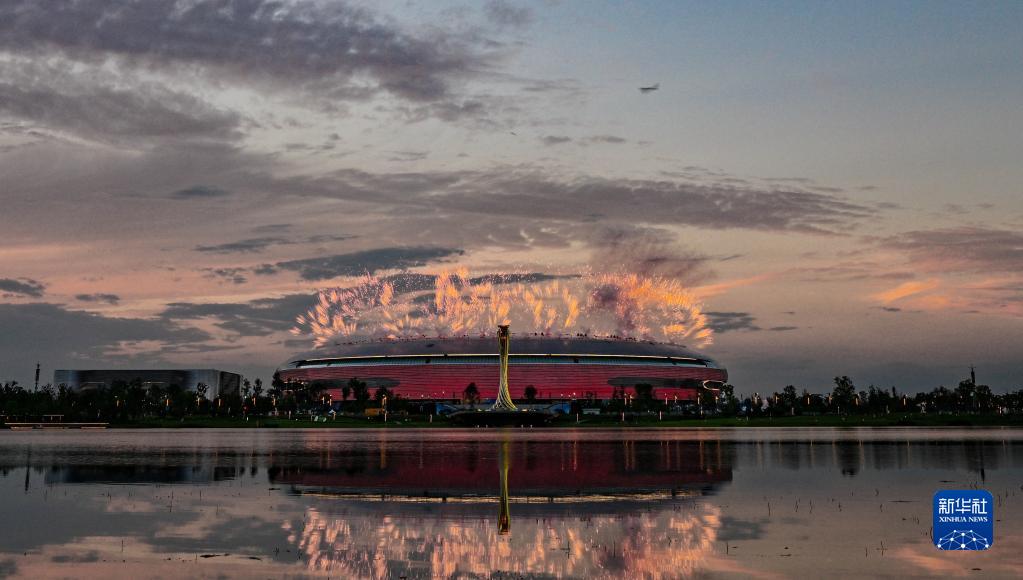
(451, 303)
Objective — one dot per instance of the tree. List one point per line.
(617, 399)
(360, 391)
(257, 390)
(530, 393)
(200, 391)
(471, 394)
(727, 402)
(844, 394)
(789, 399)
(644, 395)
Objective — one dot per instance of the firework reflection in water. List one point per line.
(451, 303)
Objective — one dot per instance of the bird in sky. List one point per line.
(650, 88)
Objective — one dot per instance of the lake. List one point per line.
(519, 503)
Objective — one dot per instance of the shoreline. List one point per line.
(923, 421)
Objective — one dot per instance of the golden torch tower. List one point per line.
(504, 400)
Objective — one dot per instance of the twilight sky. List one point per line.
(841, 182)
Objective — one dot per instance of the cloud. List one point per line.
(260, 317)
(256, 245)
(506, 14)
(52, 333)
(607, 139)
(851, 272)
(106, 298)
(537, 194)
(250, 245)
(359, 263)
(331, 48)
(906, 290)
(22, 287)
(104, 107)
(233, 275)
(963, 249)
(407, 156)
(732, 321)
(550, 140)
(199, 192)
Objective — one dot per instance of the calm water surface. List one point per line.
(769, 503)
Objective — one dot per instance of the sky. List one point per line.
(839, 182)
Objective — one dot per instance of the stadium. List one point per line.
(557, 367)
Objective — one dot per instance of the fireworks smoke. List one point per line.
(451, 303)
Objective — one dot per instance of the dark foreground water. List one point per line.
(770, 503)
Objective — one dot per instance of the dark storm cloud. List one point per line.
(732, 321)
(359, 263)
(199, 192)
(332, 48)
(57, 335)
(965, 249)
(100, 297)
(259, 317)
(100, 107)
(22, 287)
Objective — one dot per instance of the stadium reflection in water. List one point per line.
(520, 503)
(574, 499)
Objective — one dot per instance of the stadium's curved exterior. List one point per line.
(557, 367)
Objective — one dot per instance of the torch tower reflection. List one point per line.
(503, 461)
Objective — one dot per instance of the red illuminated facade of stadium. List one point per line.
(558, 367)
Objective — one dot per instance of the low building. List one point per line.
(218, 383)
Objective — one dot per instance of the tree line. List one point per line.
(133, 400)
(845, 399)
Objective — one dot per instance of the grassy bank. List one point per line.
(909, 420)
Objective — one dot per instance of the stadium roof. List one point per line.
(521, 344)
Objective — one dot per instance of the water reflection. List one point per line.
(587, 509)
(470, 503)
(504, 519)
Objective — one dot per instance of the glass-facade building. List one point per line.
(218, 382)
